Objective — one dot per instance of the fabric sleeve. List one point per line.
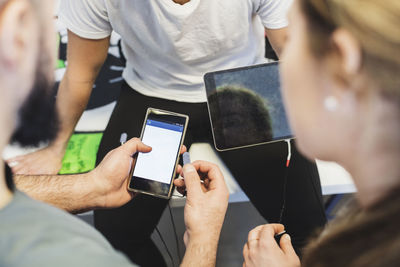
(86, 18)
(273, 13)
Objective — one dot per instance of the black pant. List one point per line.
(259, 170)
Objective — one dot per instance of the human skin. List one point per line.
(204, 211)
(361, 132)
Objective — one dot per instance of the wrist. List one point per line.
(84, 194)
(201, 250)
(60, 143)
(57, 149)
(209, 236)
(96, 190)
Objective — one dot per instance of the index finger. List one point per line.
(192, 181)
(268, 232)
(212, 171)
(253, 237)
(135, 145)
(255, 233)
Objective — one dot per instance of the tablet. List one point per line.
(245, 106)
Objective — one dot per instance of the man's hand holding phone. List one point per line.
(111, 176)
(206, 204)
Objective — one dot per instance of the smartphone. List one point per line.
(153, 173)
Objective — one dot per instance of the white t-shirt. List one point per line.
(169, 47)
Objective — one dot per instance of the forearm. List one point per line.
(85, 58)
(277, 38)
(201, 252)
(72, 99)
(73, 193)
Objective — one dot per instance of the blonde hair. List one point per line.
(359, 237)
(374, 23)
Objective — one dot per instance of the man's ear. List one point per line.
(18, 35)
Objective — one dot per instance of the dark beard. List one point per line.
(38, 120)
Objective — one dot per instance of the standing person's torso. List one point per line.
(169, 47)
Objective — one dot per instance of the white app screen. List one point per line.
(158, 165)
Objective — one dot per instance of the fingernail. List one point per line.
(188, 168)
(287, 237)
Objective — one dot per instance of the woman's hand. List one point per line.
(261, 248)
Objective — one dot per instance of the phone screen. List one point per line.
(164, 138)
(154, 171)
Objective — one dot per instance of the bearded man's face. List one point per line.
(37, 117)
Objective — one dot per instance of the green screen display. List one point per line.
(81, 152)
